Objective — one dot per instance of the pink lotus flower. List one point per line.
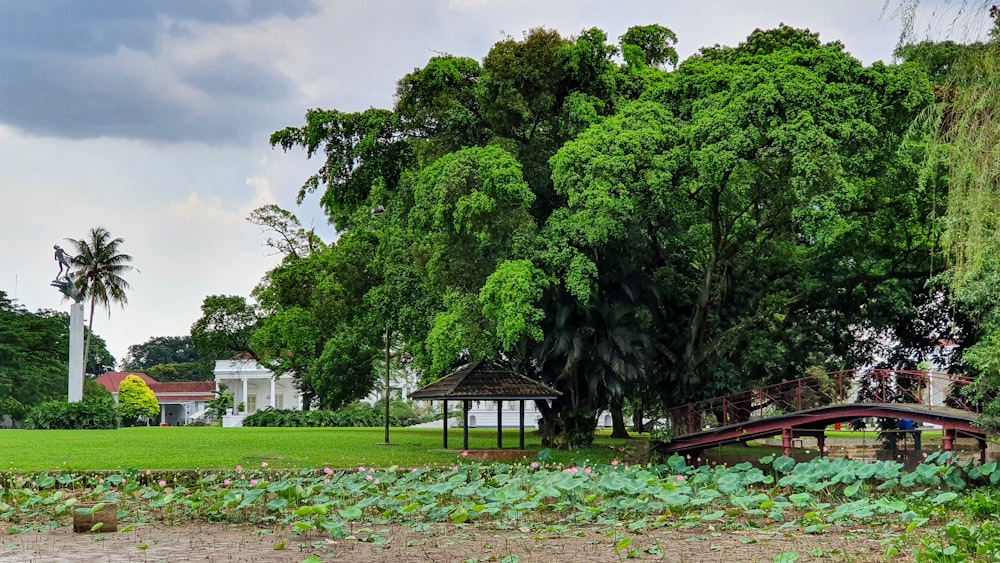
(253, 482)
(226, 482)
(586, 470)
(326, 481)
(101, 480)
(698, 460)
(414, 470)
(376, 481)
(368, 477)
(680, 478)
(534, 465)
(614, 463)
(689, 457)
(328, 471)
(149, 472)
(263, 464)
(454, 468)
(162, 483)
(572, 470)
(825, 449)
(239, 468)
(925, 454)
(465, 454)
(361, 469)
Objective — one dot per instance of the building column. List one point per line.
(272, 392)
(243, 399)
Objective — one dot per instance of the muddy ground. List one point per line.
(445, 543)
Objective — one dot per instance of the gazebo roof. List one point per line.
(483, 381)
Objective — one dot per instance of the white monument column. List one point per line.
(272, 392)
(76, 363)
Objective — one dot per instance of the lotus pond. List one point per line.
(936, 513)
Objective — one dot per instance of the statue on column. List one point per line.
(64, 279)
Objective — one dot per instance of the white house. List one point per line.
(254, 387)
(180, 401)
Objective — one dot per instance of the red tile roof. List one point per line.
(169, 391)
(183, 387)
(182, 398)
(112, 379)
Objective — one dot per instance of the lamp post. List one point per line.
(386, 443)
(378, 211)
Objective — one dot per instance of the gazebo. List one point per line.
(484, 381)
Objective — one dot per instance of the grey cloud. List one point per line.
(63, 72)
(102, 26)
(87, 100)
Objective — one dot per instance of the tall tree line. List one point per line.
(633, 231)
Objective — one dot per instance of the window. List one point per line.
(251, 404)
(279, 401)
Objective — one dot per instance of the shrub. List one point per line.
(400, 413)
(136, 400)
(93, 413)
(355, 415)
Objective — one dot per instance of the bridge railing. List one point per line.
(850, 386)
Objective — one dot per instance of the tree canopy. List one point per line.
(630, 230)
(34, 353)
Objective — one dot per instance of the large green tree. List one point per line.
(34, 351)
(617, 228)
(963, 162)
(168, 358)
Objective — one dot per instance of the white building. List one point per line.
(254, 387)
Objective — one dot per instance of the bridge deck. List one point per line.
(813, 422)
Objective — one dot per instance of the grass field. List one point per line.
(182, 448)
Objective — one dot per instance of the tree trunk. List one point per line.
(618, 429)
(637, 416)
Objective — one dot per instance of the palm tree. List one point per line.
(98, 267)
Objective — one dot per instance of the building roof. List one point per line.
(112, 379)
(481, 381)
(183, 387)
(167, 392)
(183, 391)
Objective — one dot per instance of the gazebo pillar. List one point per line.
(499, 425)
(521, 425)
(445, 410)
(465, 425)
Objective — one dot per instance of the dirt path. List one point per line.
(445, 543)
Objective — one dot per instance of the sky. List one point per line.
(152, 118)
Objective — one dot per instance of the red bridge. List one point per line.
(807, 406)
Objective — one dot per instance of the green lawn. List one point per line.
(192, 447)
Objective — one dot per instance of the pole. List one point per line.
(387, 383)
(76, 359)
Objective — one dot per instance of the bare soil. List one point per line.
(445, 543)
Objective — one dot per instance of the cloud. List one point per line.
(138, 70)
